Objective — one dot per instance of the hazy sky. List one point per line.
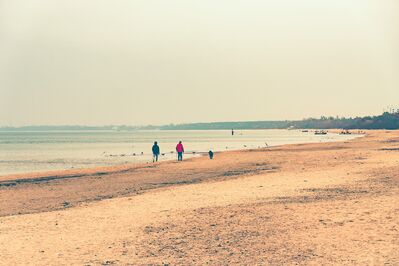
(132, 62)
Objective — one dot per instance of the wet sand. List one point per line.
(329, 203)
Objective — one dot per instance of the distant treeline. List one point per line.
(384, 121)
(388, 120)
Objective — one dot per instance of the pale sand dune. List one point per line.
(333, 203)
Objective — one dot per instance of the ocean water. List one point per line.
(43, 151)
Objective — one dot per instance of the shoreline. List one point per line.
(96, 184)
(114, 169)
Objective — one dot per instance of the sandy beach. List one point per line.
(306, 204)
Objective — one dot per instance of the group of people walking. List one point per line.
(156, 151)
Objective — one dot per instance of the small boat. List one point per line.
(305, 131)
(345, 132)
(321, 132)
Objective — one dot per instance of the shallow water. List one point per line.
(42, 151)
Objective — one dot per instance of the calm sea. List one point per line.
(42, 151)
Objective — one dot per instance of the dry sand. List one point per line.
(310, 204)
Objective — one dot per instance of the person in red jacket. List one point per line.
(180, 151)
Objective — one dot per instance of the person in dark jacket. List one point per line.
(155, 152)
